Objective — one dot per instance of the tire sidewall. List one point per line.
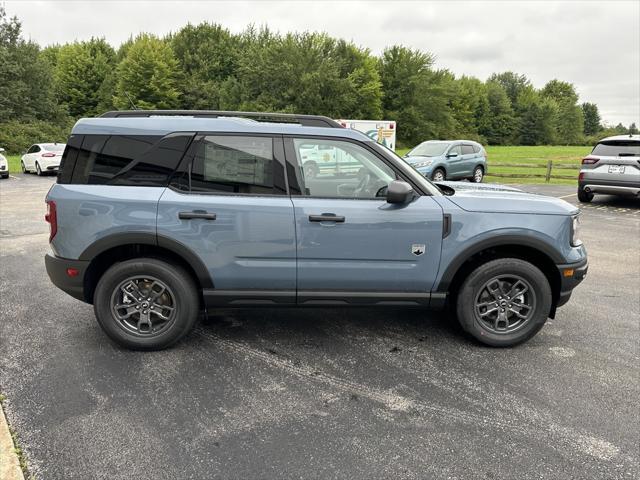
(177, 280)
(444, 175)
(465, 304)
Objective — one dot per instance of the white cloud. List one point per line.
(595, 45)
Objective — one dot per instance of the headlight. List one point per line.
(575, 231)
(425, 163)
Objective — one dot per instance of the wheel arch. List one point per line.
(115, 248)
(531, 250)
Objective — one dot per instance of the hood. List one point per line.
(417, 159)
(501, 199)
(466, 186)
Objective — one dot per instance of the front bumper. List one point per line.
(571, 275)
(57, 270)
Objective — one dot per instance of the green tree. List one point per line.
(80, 71)
(591, 118)
(500, 124)
(633, 130)
(470, 107)
(307, 72)
(26, 91)
(513, 83)
(570, 119)
(207, 55)
(148, 75)
(415, 95)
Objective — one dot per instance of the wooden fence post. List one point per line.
(549, 166)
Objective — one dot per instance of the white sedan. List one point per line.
(42, 158)
(4, 165)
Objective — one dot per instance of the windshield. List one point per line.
(58, 147)
(429, 149)
(617, 149)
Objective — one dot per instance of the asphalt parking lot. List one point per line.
(323, 393)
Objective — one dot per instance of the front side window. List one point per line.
(455, 150)
(234, 165)
(339, 169)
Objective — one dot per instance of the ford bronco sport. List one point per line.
(157, 216)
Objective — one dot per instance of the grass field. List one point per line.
(537, 157)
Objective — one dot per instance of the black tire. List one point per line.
(5, 176)
(38, 169)
(583, 196)
(472, 288)
(22, 167)
(435, 173)
(478, 175)
(180, 283)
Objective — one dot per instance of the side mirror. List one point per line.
(452, 155)
(399, 192)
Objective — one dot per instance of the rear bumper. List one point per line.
(57, 271)
(610, 188)
(571, 275)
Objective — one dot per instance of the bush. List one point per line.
(16, 137)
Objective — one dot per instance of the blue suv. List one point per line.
(157, 216)
(442, 160)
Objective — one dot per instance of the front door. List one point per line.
(353, 246)
(228, 204)
(455, 162)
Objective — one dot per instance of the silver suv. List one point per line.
(612, 167)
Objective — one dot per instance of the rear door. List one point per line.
(353, 246)
(228, 204)
(469, 159)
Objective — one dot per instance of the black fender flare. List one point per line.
(148, 238)
(499, 241)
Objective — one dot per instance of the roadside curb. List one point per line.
(9, 463)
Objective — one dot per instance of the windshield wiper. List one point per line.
(627, 154)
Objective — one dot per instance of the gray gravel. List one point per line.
(323, 393)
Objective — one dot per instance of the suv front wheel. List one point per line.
(504, 302)
(146, 303)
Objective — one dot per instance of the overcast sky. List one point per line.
(595, 45)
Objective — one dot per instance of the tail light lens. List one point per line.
(52, 219)
(581, 176)
(48, 155)
(589, 160)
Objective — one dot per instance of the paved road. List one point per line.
(323, 393)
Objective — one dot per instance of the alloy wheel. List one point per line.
(144, 306)
(505, 304)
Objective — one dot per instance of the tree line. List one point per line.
(205, 66)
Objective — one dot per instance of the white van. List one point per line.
(382, 131)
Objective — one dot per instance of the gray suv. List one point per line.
(612, 167)
(157, 216)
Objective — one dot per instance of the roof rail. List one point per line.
(304, 120)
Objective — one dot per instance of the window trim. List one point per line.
(292, 162)
(278, 155)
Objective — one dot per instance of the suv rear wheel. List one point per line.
(583, 196)
(146, 304)
(504, 302)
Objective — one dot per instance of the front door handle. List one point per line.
(326, 217)
(196, 214)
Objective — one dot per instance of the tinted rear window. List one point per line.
(142, 160)
(232, 164)
(617, 149)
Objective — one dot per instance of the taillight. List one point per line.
(589, 160)
(581, 176)
(49, 155)
(52, 219)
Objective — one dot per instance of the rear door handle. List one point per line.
(196, 214)
(326, 217)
